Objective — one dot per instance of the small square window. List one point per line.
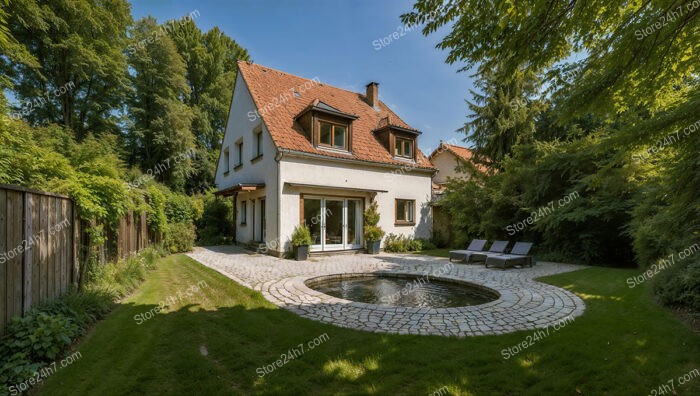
(405, 211)
(333, 135)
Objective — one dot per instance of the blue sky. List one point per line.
(334, 40)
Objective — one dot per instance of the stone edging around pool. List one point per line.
(513, 311)
(524, 304)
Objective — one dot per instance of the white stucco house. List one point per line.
(299, 151)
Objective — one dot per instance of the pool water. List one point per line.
(404, 291)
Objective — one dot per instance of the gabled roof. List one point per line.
(463, 153)
(285, 96)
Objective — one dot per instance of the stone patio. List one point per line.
(524, 303)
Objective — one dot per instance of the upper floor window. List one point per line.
(405, 211)
(258, 144)
(403, 148)
(239, 154)
(227, 161)
(244, 211)
(333, 135)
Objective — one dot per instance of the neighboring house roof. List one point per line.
(281, 97)
(463, 153)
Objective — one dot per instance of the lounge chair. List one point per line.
(517, 256)
(497, 248)
(477, 245)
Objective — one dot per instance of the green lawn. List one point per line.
(624, 344)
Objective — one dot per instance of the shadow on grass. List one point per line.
(615, 348)
(225, 351)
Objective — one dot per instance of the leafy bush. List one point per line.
(301, 236)
(15, 369)
(39, 335)
(216, 224)
(180, 237)
(119, 279)
(679, 285)
(588, 228)
(85, 308)
(371, 231)
(426, 244)
(401, 244)
(438, 240)
(39, 338)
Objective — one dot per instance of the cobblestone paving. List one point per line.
(523, 304)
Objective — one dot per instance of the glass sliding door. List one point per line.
(312, 219)
(353, 238)
(333, 227)
(335, 223)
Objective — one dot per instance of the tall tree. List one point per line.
(210, 59)
(79, 47)
(503, 114)
(10, 49)
(638, 79)
(637, 55)
(161, 121)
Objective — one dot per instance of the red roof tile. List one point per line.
(274, 96)
(464, 153)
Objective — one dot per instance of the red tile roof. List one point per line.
(464, 153)
(274, 96)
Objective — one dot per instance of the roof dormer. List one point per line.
(327, 127)
(401, 142)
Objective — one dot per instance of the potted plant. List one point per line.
(373, 233)
(301, 239)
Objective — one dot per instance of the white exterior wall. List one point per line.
(446, 162)
(410, 185)
(265, 170)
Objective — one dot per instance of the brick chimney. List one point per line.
(373, 94)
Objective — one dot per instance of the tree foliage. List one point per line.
(164, 89)
(79, 79)
(210, 60)
(161, 122)
(622, 95)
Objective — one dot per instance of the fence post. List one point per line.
(28, 233)
(75, 235)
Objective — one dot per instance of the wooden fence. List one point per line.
(41, 243)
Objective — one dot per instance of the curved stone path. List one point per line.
(524, 303)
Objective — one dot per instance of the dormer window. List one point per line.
(333, 135)
(403, 148)
(400, 142)
(326, 127)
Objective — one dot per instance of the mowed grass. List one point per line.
(212, 344)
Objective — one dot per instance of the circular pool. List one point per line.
(403, 290)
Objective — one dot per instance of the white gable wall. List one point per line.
(446, 162)
(265, 170)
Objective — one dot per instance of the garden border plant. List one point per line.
(46, 332)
